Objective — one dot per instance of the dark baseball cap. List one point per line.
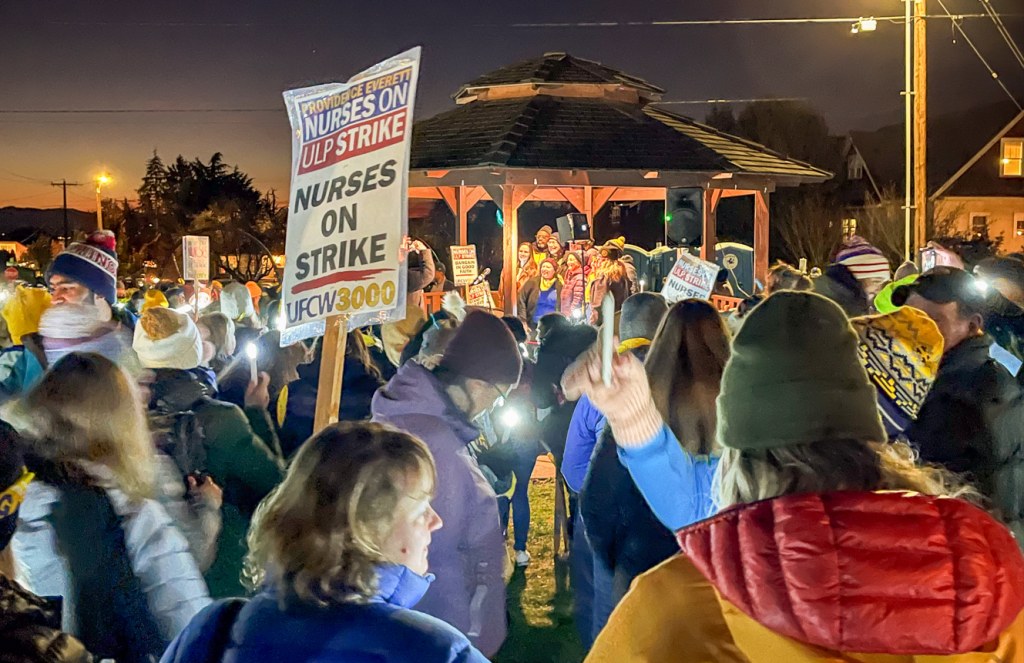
(943, 285)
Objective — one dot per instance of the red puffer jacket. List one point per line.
(856, 576)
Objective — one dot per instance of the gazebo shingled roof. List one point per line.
(562, 128)
(555, 68)
(588, 134)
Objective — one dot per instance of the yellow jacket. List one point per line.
(960, 598)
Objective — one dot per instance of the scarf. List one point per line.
(546, 284)
(632, 344)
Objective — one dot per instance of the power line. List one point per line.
(24, 177)
(60, 111)
(1003, 31)
(727, 101)
(956, 24)
(734, 21)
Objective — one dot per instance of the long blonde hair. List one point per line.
(613, 270)
(749, 476)
(320, 533)
(684, 368)
(87, 409)
(527, 271)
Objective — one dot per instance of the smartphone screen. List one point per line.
(928, 258)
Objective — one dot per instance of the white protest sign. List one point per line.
(464, 266)
(691, 278)
(195, 258)
(348, 210)
(479, 295)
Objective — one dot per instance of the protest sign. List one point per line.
(690, 278)
(479, 295)
(464, 266)
(195, 258)
(348, 211)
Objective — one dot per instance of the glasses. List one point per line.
(502, 395)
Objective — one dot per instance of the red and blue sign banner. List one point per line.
(348, 209)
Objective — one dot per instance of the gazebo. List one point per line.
(561, 128)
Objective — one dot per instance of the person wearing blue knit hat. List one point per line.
(85, 270)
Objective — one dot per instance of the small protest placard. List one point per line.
(195, 252)
(479, 295)
(691, 278)
(464, 267)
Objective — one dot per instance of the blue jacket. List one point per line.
(385, 630)
(584, 429)
(675, 483)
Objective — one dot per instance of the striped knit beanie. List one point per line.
(92, 263)
(863, 260)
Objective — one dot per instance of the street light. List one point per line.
(101, 179)
(909, 94)
(864, 25)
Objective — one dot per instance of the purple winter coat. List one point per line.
(467, 555)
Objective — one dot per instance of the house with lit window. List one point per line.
(974, 169)
(986, 195)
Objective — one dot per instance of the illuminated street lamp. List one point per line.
(101, 179)
(864, 25)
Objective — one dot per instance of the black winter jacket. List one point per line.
(357, 389)
(972, 421)
(621, 528)
(30, 629)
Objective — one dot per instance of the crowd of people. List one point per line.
(834, 470)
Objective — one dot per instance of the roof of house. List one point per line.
(979, 176)
(953, 140)
(557, 68)
(553, 132)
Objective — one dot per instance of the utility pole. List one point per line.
(908, 127)
(64, 184)
(920, 123)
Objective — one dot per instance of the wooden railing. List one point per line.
(432, 301)
(725, 303)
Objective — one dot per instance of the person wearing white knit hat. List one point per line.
(165, 338)
(237, 449)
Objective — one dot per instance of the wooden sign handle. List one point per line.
(332, 369)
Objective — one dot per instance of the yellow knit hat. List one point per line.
(23, 310)
(154, 298)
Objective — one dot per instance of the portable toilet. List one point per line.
(738, 260)
(652, 267)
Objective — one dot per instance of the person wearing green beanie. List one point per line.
(826, 538)
(796, 358)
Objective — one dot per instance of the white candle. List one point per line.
(607, 336)
(252, 352)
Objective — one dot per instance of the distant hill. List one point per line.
(24, 224)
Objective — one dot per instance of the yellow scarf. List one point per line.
(632, 344)
(14, 495)
(545, 284)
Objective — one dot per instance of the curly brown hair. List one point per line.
(318, 537)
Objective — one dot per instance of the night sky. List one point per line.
(241, 55)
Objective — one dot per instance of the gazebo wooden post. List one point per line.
(710, 234)
(761, 236)
(463, 198)
(588, 207)
(509, 245)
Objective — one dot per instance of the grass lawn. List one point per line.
(541, 628)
